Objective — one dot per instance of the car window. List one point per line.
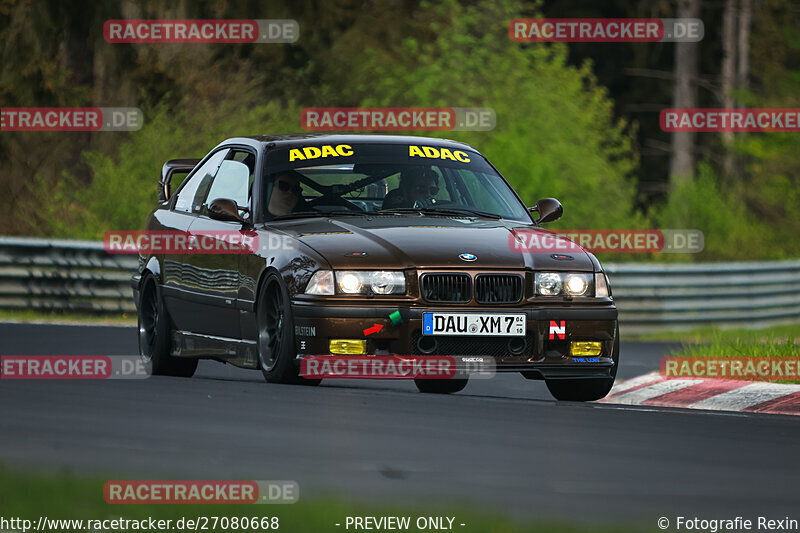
(191, 196)
(481, 192)
(373, 177)
(249, 160)
(232, 181)
(443, 194)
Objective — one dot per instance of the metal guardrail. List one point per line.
(67, 275)
(46, 274)
(673, 297)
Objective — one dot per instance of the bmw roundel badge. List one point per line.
(468, 257)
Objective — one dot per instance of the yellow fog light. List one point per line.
(585, 348)
(348, 346)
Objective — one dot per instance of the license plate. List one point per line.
(491, 325)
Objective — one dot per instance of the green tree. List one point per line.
(124, 185)
(555, 133)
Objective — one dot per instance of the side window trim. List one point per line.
(187, 179)
(234, 149)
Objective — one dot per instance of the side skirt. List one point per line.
(237, 352)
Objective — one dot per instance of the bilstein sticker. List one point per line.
(437, 153)
(316, 152)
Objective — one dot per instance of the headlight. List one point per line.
(385, 282)
(548, 283)
(349, 282)
(577, 284)
(321, 282)
(370, 282)
(564, 284)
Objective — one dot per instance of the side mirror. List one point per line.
(225, 209)
(549, 210)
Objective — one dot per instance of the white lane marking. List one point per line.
(669, 409)
(743, 397)
(638, 396)
(637, 408)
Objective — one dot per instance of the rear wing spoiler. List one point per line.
(170, 168)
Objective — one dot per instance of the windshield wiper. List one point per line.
(447, 211)
(301, 214)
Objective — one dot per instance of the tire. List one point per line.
(275, 343)
(586, 390)
(154, 334)
(441, 386)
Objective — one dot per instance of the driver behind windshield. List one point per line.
(416, 184)
(286, 196)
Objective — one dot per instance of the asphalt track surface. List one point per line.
(503, 444)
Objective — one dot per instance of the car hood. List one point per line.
(423, 241)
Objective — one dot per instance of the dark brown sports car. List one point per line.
(368, 245)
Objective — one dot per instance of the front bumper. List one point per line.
(539, 357)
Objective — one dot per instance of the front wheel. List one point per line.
(440, 386)
(276, 351)
(580, 390)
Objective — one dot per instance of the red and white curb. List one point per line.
(713, 394)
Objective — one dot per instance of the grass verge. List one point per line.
(63, 496)
(780, 342)
(711, 334)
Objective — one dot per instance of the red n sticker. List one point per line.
(556, 329)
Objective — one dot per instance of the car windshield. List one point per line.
(351, 179)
